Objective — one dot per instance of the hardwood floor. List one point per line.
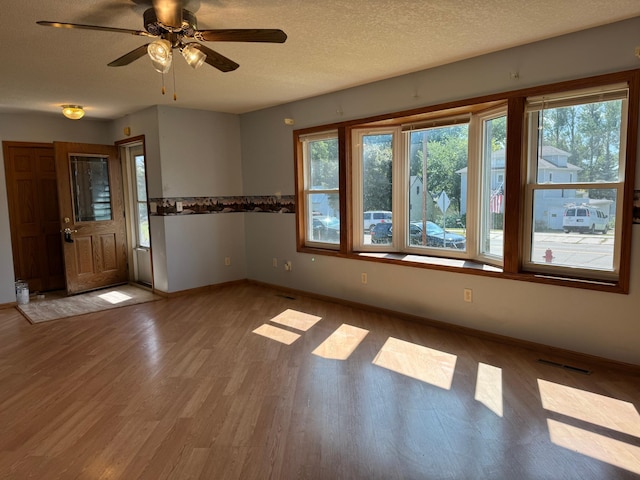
(183, 388)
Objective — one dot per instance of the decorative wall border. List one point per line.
(202, 205)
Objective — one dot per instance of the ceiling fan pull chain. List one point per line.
(163, 89)
(175, 97)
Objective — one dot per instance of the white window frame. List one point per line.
(480, 186)
(401, 187)
(357, 188)
(308, 191)
(448, 121)
(572, 98)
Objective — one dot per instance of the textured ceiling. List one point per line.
(331, 45)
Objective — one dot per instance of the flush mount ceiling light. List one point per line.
(160, 54)
(194, 57)
(74, 112)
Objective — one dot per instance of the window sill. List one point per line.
(469, 267)
(431, 262)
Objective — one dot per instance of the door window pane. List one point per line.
(141, 184)
(143, 222)
(90, 188)
(141, 203)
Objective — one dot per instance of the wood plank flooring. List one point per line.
(195, 387)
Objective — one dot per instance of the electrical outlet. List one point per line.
(468, 295)
(363, 277)
(227, 261)
(274, 262)
(288, 266)
(178, 206)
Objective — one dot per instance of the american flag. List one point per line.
(495, 202)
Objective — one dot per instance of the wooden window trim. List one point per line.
(514, 181)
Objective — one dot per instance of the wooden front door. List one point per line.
(92, 214)
(32, 197)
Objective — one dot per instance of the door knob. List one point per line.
(67, 234)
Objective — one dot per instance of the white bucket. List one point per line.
(22, 293)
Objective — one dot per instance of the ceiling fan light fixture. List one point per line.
(194, 57)
(160, 55)
(73, 112)
(161, 68)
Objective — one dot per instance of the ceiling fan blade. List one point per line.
(127, 58)
(169, 12)
(215, 59)
(269, 35)
(94, 27)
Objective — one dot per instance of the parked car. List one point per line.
(382, 233)
(326, 229)
(436, 236)
(372, 218)
(583, 218)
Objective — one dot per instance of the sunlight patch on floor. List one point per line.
(489, 388)
(590, 407)
(594, 445)
(422, 363)
(114, 297)
(277, 334)
(341, 343)
(295, 319)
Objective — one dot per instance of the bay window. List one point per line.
(533, 185)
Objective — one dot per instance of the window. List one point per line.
(581, 133)
(141, 202)
(426, 174)
(434, 157)
(374, 153)
(321, 189)
(532, 185)
(90, 186)
(493, 132)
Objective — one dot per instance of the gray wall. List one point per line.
(194, 153)
(189, 153)
(596, 323)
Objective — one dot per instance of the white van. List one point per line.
(583, 218)
(373, 217)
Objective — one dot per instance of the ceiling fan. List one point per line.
(173, 27)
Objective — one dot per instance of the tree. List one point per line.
(324, 163)
(377, 172)
(324, 167)
(560, 130)
(590, 132)
(446, 151)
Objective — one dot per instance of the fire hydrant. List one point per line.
(548, 256)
